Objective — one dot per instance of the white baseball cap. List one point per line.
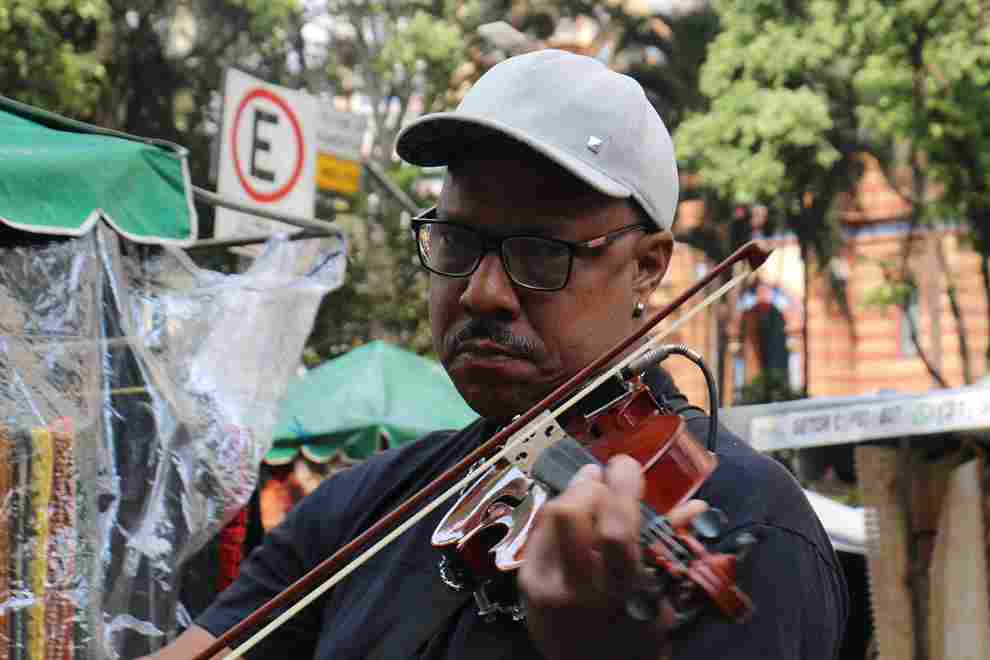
(590, 120)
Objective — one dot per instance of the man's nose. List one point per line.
(490, 291)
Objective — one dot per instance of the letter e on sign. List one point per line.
(267, 155)
(268, 148)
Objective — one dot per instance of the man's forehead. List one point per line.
(500, 216)
(517, 162)
(527, 195)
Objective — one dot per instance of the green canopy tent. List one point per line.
(121, 369)
(59, 176)
(375, 390)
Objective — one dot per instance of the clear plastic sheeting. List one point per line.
(138, 395)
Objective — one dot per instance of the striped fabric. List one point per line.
(60, 606)
(37, 543)
(6, 520)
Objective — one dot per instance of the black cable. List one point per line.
(658, 355)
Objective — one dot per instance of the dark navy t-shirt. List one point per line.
(792, 574)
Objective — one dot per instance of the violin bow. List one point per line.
(301, 592)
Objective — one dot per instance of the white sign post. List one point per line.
(267, 155)
(340, 138)
(341, 134)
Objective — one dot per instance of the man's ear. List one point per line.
(652, 254)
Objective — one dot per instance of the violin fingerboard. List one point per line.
(558, 463)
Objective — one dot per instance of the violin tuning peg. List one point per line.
(710, 524)
(741, 545)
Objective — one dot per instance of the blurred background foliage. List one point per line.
(773, 104)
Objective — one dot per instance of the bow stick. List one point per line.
(410, 512)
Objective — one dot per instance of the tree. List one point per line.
(799, 91)
(49, 53)
(396, 59)
(395, 56)
(925, 87)
(164, 62)
(781, 130)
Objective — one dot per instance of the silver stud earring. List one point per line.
(638, 309)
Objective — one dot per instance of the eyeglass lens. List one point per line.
(529, 260)
(535, 262)
(449, 249)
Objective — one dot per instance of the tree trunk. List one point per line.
(805, 308)
(957, 314)
(985, 271)
(919, 189)
(918, 185)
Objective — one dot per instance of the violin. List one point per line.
(505, 480)
(483, 536)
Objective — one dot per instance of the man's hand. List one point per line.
(187, 645)
(583, 561)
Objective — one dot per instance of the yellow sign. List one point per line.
(336, 175)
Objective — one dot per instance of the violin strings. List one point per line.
(535, 425)
(651, 343)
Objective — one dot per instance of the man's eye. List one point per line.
(536, 249)
(451, 239)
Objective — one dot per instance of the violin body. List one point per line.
(489, 523)
(486, 531)
(675, 463)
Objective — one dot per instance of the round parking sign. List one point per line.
(267, 144)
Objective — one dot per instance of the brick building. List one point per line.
(872, 350)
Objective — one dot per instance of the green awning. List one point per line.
(60, 176)
(347, 404)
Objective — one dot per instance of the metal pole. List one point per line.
(395, 191)
(297, 221)
(252, 240)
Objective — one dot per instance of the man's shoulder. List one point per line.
(792, 574)
(755, 489)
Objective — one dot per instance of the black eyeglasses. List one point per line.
(532, 262)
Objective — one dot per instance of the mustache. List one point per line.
(491, 330)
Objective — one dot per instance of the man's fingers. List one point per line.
(619, 522)
(682, 514)
(624, 476)
(561, 563)
(589, 472)
(572, 517)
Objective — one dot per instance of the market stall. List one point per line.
(383, 396)
(138, 392)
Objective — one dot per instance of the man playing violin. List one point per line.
(551, 233)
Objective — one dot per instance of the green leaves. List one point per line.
(48, 52)
(424, 38)
(761, 118)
